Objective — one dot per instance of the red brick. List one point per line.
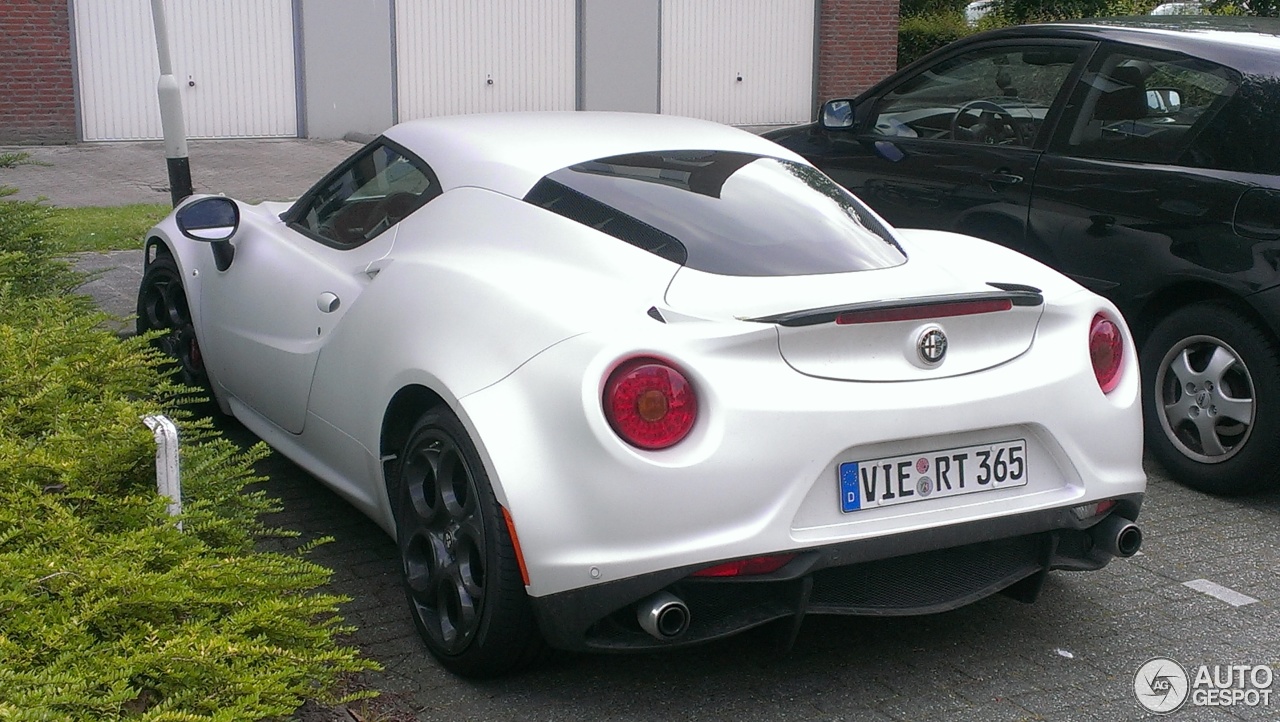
(858, 45)
(35, 57)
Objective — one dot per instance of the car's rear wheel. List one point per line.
(1212, 405)
(459, 565)
(162, 306)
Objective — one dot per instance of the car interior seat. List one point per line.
(1111, 130)
(1127, 100)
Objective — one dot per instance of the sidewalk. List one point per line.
(115, 174)
(111, 174)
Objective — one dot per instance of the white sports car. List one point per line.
(626, 382)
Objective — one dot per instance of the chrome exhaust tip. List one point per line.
(1117, 536)
(664, 616)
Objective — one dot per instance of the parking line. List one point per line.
(1230, 596)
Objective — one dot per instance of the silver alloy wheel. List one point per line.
(1206, 399)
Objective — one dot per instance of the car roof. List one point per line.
(1248, 44)
(510, 152)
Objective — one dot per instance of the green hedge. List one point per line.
(107, 610)
(920, 35)
(927, 25)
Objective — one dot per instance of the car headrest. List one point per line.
(1128, 101)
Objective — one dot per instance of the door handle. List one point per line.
(328, 302)
(1002, 177)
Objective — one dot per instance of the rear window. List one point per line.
(732, 214)
(1239, 136)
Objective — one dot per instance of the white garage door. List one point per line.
(233, 60)
(475, 56)
(744, 62)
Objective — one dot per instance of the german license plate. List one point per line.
(949, 472)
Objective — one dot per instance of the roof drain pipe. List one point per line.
(168, 481)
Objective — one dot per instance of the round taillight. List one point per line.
(649, 403)
(1106, 351)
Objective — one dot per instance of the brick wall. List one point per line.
(37, 100)
(857, 45)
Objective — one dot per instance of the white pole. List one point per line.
(175, 133)
(168, 473)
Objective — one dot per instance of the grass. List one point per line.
(10, 160)
(104, 228)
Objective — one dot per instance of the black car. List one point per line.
(1141, 157)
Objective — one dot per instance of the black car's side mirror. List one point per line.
(213, 220)
(837, 114)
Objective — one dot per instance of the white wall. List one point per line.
(233, 60)
(744, 62)
(474, 56)
(347, 61)
(620, 55)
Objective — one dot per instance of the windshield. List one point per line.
(727, 213)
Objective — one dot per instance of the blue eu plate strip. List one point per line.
(850, 496)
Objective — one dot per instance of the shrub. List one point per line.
(107, 610)
(31, 269)
(933, 24)
(1017, 12)
(912, 8)
(922, 34)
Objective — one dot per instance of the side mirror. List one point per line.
(1163, 101)
(837, 114)
(209, 219)
(213, 220)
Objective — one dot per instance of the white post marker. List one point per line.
(168, 477)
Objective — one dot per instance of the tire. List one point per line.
(1212, 399)
(162, 306)
(459, 567)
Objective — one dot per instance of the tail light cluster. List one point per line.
(649, 403)
(1106, 351)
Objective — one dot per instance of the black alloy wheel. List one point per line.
(459, 566)
(1212, 399)
(162, 306)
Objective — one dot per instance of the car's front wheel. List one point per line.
(1212, 405)
(162, 306)
(459, 565)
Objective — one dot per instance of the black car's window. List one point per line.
(995, 95)
(374, 190)
(1142, 105)
(1242, 136)
(727, 213)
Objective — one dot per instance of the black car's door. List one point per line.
(955, 145)
(1120, 202)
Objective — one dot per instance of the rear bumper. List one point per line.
(920, 572)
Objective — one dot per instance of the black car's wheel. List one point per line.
(460, 570)
(1212, 405)
(162, 306)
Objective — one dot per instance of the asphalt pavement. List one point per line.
(1204, 593)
